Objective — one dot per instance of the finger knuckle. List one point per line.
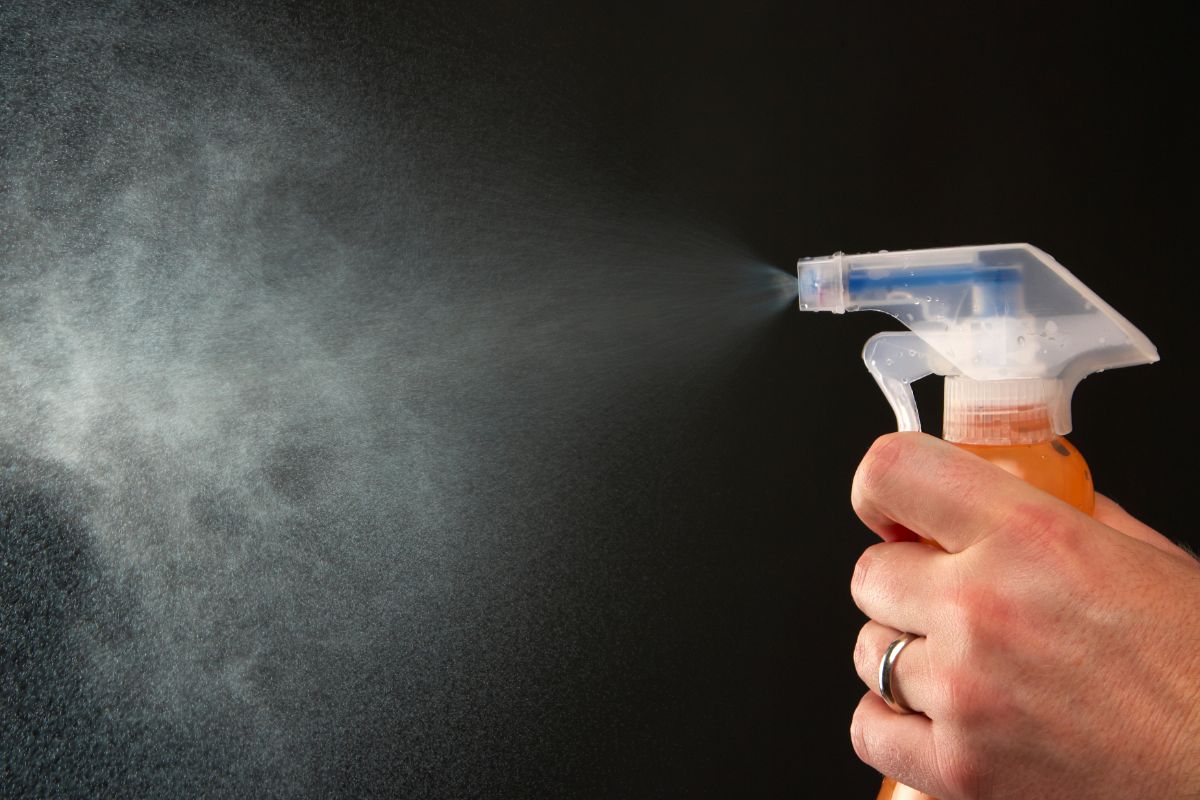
(964, 773)
(1047, 527)
(981, 614)
(872, 581)
(967, 698)
(978, 707)
(863, 572)
(863, 651)
(875, 469)
(860, 737)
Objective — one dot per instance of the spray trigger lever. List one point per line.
(897, 359)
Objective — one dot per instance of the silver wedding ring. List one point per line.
(887, 687)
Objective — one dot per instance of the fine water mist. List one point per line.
(317, 389)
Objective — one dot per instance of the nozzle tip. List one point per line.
(822, 283)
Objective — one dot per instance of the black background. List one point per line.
(707, 651)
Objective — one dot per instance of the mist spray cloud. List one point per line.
(298, 398)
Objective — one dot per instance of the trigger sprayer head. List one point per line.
(994, 315)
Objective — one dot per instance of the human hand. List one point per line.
(1061, 652)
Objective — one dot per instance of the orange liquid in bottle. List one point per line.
(1055, 467)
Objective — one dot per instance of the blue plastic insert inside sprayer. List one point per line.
(868, 280)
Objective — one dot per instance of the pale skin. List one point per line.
(1060, 655)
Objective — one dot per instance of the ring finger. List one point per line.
(911, 683)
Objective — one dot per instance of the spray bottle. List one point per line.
(1012, 331)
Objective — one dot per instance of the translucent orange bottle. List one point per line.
(1017, 437)
(1010, 423)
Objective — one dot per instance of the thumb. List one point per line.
(1109, 513)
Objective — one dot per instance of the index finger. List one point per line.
(916, 482)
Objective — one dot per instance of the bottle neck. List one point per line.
(1007, 412)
